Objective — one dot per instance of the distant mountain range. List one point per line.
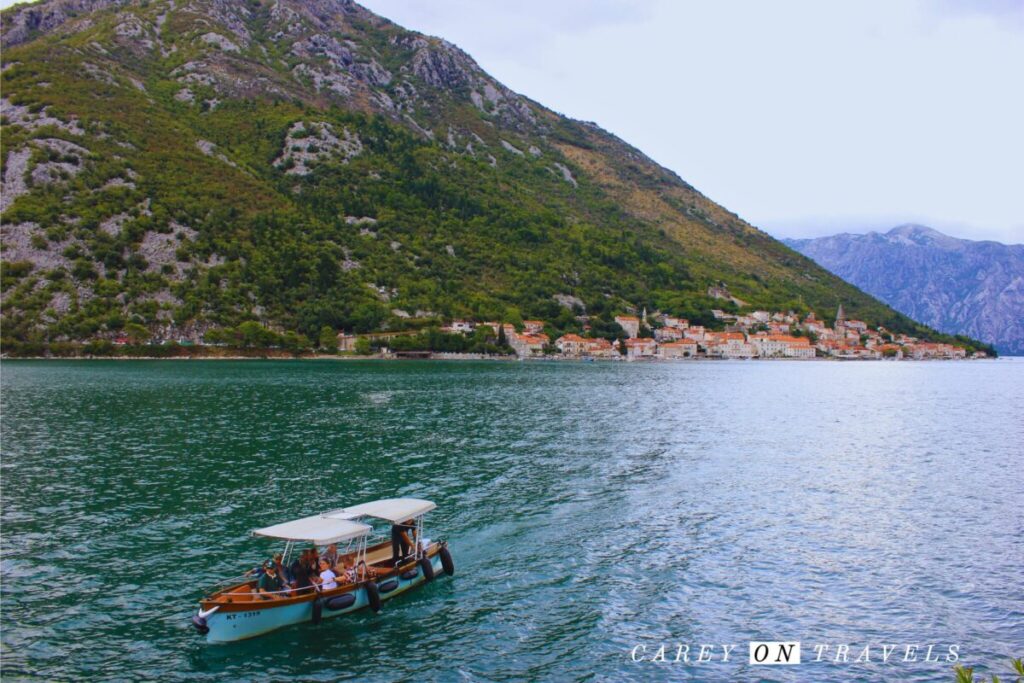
(957, 286)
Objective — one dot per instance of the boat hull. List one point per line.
(228, 627)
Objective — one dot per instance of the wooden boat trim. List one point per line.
(239, 598)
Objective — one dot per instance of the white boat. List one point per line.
(237, 610)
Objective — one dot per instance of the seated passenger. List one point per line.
(327, 576)
(282, 571)
(269, 585)
(255, 572)
(331, 554)
(346, 569)
(366, 571)
(313, 565)
(301, 574)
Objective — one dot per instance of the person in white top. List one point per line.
(327, 576)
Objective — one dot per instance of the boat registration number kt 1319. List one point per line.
(241, 615)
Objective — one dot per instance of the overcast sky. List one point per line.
(804, 117)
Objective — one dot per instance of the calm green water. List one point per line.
(590, 508)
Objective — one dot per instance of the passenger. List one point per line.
(327, 576)
(401, 544)
(301, 576)
(312, 564)
(346, 569)
(282, 571)
(331, 554)
(367, 571)
(269, 585)
(255, 572)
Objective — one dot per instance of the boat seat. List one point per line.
(379, 555)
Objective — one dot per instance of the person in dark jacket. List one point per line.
(270, 585)
(301, 574)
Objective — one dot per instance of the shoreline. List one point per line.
(467, 357)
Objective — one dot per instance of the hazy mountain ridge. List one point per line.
(958, 286)
(193, 164)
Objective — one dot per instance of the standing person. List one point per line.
(400, 541)
(327, 576)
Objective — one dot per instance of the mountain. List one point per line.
(187, 165)
(957, 286)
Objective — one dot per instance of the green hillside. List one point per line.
(308, 164)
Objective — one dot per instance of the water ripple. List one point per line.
(590, 508)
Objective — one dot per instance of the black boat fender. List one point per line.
(373, 596)
(341, 601)
(446, 561)
(427, 567)
(411, 574)
(200, 624)
(389, 586)
(318, 611)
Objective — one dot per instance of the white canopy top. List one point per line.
(392, 509)
(318, 529)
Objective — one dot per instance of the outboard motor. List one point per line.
(200, 624)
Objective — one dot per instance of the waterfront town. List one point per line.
(759, 334)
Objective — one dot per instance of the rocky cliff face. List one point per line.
(957, 286)
(182, 164)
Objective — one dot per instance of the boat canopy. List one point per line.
(391, 509)
(318, 529)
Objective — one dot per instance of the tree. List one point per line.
(363, 346)
(513, 316)
(251, 334)
(328, 339)
(367, 317)
(219, 336)
(137, 334)
(295, 342)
